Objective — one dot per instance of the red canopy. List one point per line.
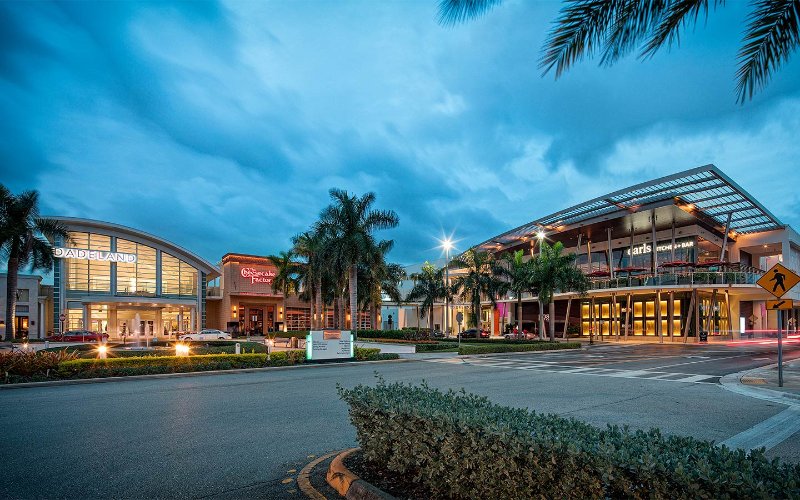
(599, 274)
(631, 269)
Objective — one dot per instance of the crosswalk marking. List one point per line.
(554, 367)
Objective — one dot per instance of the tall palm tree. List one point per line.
(348, 225)
(309, 246)
(378, 278)
(480, 276)
(286, 278)
(615, 28)
(24, 242)
(429, 286)
(518, 274)
(554, 271)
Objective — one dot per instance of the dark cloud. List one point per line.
(222, 126)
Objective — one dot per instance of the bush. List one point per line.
(370, 354)
(29, 364)
(538, 346)
(458, 445)
(145, 365)
(436, 346)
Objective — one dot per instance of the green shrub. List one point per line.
(444, 346)
(521, 347)
(370, 354)
(145, 365)
(458, 445)
(15, 364)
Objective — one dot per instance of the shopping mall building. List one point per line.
(666, 259)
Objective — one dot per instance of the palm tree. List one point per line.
(518, 274)
(309, 245)
(286, 278)
(554, 272)
(429, 286)
(348, 225)
(378, 278)
(480, 277)
(614, 28)
(24, 242)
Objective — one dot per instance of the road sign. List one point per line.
(775, 305)
(778, 280)
(62, 317)
(459, 317)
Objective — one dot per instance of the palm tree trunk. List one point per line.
(430, 325)
(354, 299)
(311, 311)
(552, 322)
(11, 297)
(322, 320)
(519, 313)
(541, 320)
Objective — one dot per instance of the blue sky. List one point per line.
(221, 126)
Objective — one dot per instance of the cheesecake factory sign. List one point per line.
(257, 275)
(101, 255)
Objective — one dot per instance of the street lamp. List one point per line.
(447, 245)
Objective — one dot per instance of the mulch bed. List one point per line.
(393, 484)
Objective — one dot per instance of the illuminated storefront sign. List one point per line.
(257, 276)
(646, 248)
(102, 255)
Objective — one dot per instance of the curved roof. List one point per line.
(90, 225)
(704, 191)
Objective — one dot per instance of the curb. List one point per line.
(348, 484)
(102, 380)
(732, 382)
(303, 481)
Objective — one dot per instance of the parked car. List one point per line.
(474, 333)
(525, 335)
(208, 334)
(79, 336)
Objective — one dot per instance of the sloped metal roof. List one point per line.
(705, 191)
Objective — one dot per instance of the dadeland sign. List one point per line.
(101, 255)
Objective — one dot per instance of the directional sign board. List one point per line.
(778, 280)
(775, 305)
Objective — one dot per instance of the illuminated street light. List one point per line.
(447, 245)
(102, 351)
(181, 350)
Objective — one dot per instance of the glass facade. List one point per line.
(136, 278)
(643, 317)
(89, 276)
(178, 279)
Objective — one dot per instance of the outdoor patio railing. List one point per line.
(680, 278)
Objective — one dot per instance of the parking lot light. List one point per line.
(102, 351)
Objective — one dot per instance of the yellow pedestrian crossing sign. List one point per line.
(778, 280)
(779, 305)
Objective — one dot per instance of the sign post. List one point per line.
(778, 281)
(459, 319)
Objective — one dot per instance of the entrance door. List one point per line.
(256, 320)
(270, 320)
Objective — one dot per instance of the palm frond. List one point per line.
(452, 12)
(770, 38)
(677, 16)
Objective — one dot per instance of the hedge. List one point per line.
(372, 354)
(145, 365)
(538, 346)
(435, 347)
(459, 445)
(499, 340)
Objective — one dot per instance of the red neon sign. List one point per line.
(257, 276)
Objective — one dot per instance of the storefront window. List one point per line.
(298, 319)
(137, 278)
(177, 277)
(89, 275)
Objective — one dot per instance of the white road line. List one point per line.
(769, 433)
(701, 361)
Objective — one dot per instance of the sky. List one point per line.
(221, 126)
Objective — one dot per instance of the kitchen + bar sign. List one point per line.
(101, 255)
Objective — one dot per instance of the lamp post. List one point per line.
(540, 236)
(447, 244)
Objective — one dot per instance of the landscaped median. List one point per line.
(420, 442)
(64, 365)
(488, 348)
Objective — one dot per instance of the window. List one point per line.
(23, 295)
(298, 319)
(177, 277)
(137, 278)
(89, 275)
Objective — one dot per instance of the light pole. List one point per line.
(540, 236)
(447, 244)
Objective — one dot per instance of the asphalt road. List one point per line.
(247, 435)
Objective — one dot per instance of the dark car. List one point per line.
(79, 336)
(474, 333)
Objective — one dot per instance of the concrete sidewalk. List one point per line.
(762, 383)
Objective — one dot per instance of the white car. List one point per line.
(207, 335)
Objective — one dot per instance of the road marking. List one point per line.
(769, 433)
(535, 365)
